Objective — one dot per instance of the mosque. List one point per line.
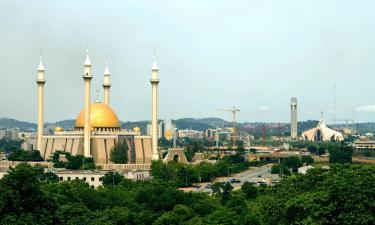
(97, 128)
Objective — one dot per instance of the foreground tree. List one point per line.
(341, 195)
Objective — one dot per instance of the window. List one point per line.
(92, 178)
(76, 178)
(84, 178)
(100, 178)
(68, 178)
(61, 178)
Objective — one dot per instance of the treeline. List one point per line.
(8, 145)
(343, 194)
(182, 175)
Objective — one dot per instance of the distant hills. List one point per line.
(201, 124)
(11, 123)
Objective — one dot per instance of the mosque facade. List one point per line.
(97, 128)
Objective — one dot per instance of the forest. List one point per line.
(343, 194)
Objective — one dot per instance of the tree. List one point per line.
(308, 160)
(340, 153)
(321, 150)
(112, 178)
(249, 189)
(291, 162)
(178, 215)
(119, 153)
(342, 194)
(22, 155)
(312, 149)
(21, 194)
(280, 169)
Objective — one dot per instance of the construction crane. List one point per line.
(234, 112)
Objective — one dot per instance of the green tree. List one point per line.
(340, 153)
(249, 189)
(312, 149)
(291, 162)
(321, 150)
(307, 159)
(119, 153)
(321, 197)
(178, 215)
(112, 178)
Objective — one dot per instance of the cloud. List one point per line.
(366, 108)
(264, 108)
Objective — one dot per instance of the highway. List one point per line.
(254, 174)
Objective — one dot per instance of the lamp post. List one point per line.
(185, 176)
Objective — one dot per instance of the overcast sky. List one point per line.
(254, 54)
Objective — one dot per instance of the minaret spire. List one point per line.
(87, 76)
(106, 83)
(40, 82)
(154, 119)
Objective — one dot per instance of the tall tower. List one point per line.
(293, 121)
(154, 120)
(87, 76)
(106, 84)
(40, 81)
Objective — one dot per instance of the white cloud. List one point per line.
(264, 108)
(366, 108)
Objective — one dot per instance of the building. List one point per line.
(364, 145)
(293, 120)
(322, 133)
(93, 178)
(166, 129)
(192, 134)
(97, 128)
(10, 133)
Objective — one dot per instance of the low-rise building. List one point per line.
(93, 178)
(192, 134)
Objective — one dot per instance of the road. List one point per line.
(254, 174)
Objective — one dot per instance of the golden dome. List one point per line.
(58, 129)
(137, 130)
(101, 116)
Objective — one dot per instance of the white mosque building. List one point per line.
(97, 127)
(322, 133)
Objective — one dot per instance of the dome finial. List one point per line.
(154, 64)
(41, 66)
(106, 70)
(87, 61)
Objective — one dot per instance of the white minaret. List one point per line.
(106, 84)
(154, 120)
(87, 76)
(40, 81)
(293, 121)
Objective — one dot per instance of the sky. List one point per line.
(212, 54)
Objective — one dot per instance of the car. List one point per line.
(208, 186)
(233, 180)
(259, 175)
(197, 186)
